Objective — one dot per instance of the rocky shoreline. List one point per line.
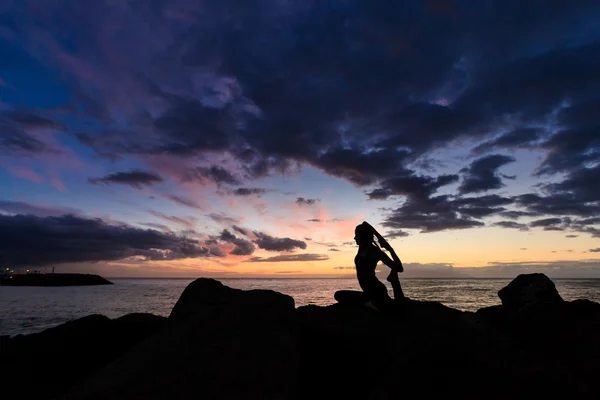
(224, 343)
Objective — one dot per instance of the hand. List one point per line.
(384, 244)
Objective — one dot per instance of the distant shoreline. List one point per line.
(53, 280)
(296, 278)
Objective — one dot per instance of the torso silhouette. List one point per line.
(366, 261)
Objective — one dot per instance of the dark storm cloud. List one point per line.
(271, 243)
(215, 173)
(134, 178)
(482, 175)
(242, 247)
(444, 213)
(435, 214)
(557, 204)
(582, 183)
(290, 257)
(517, 138)
(306, 202)
(30, 240)
(363, 91)
(411, 185)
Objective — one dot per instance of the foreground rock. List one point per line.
(219, 343)
(45, 364)
(223, 343)
(529, 290)
(54, 280)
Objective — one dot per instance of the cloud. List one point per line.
(20, 207)
(547, 223)
(396, 234)
(306, 202)
(482, 174)
(248, 191)
(597, 250)
(511, 225)
(14, 142)
(240, 230)
(483, 74)
(189, 222)
(29, 120)
(159, 227)
(222, 218)
(242, 247)
(290, 258)
(184, 201)
(270, 243)
(30, 240)
(518, 138)
(214, 173)
(418, 187)
(134, 178)
(443, 212)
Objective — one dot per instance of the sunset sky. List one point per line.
(249, 138)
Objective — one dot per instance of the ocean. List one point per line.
(26, 310)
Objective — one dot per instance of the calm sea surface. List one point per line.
(32, 309)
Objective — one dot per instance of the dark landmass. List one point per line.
(54, 280)
(223, 343)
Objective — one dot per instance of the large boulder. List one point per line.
(42, 365)
(220, 343)
(529, 290)
(205, 293)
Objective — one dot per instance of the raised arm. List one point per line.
(394, 263)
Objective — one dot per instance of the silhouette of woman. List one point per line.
(369, 254)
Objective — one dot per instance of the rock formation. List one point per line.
(223, 343)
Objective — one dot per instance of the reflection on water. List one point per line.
(32, 309)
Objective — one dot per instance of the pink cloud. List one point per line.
(57, 183)
(26, 173)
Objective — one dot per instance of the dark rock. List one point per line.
(3, 341)
(494, 316)
(527, 290)
(66, 354)
(350, 298)
(204, 292)
(221, 343)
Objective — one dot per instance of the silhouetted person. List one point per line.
(369, 254)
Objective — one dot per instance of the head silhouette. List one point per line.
(363, 235)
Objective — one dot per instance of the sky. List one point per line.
(248, 138)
